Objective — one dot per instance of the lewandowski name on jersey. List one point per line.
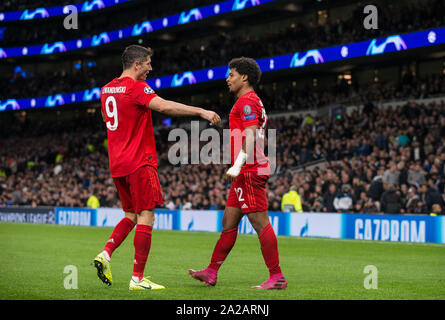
(114, 90)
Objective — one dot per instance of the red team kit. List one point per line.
(132, 149)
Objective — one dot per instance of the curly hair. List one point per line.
(247, 66)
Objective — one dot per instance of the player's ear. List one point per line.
(136, 64)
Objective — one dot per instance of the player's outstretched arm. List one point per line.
(177, 109)
(245, 154)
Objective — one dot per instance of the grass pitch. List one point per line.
(33, 259)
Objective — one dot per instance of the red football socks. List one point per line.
(223, 246)
(269, 248)
(119, 234)
(142, 243)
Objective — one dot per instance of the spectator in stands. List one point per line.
(380, 140)
(170, 204)
(403, 138)
(368, 206)
(178, 204)
(376, 188)
(411, 200)
(93, 202)
(390, 201)
(39, 185)
(436, 210)
(420, 208)
(392, 175)
(403, 173)
(188, 202)
(430, 196)
(274, 206)
(329, 197)
(291, 201)
(343, 201)
(297, 37)
(417, 154)
(358, 187)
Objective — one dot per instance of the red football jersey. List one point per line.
(131, 141)
(248, 110)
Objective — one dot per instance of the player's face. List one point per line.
(143, 69)
(234, 81)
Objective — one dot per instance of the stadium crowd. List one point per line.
(410, 86)
(394, 18)
(223, 46)
(390, 160)
(116, 17)
(14, 5)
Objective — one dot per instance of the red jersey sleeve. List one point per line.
(249, 112)
(143, 94)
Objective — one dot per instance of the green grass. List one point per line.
(33, 258)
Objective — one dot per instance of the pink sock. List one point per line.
(269, 248)
(222, 248)
(142, 243)
(120, 232)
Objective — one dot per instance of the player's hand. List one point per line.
(232, 174)
(211, 116)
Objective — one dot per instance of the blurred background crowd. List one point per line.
(383, 153)
(376, 160)
(212, 50)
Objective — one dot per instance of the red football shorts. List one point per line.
(248, 192)
(140, 190)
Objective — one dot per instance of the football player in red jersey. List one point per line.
(249, 173)
(127, 102)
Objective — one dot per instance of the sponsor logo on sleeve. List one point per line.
(249, 117)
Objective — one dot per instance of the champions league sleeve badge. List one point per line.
(148, 90)
(247, 113)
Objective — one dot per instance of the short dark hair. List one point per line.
(247, 66)
(134, 53)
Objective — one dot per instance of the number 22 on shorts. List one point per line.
(239, 193)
